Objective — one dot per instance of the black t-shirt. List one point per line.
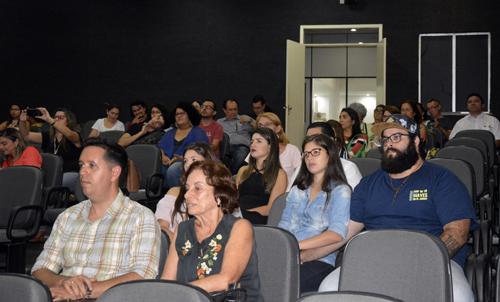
(67, 150)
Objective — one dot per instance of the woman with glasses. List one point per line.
(317, 207)
(175, 141)
(171, 210)
(263, 180)
(15, 152)
(355, 141)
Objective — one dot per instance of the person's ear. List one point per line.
(115, 172)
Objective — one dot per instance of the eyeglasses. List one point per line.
(314, 153)
(395, 138)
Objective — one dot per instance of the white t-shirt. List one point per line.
(99, 126)
(483, 121)
(290, 161)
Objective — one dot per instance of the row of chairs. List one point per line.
(371, 264)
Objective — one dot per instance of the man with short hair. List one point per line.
(103, 241)
(442, 123)
(409, 193)
(259, 105)
(477, 119)
(138, 112)
(239, 129)
(214, 130)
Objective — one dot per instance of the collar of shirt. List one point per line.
(112, 211)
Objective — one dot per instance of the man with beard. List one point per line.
(409, 193)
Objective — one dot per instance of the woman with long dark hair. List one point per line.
(108, 123)
(355, 140)
(170, 210)
(263, 180)
(317, 207)
(15, 152)
(410, 109)
(13, 120)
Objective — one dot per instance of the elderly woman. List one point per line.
(214, 250)
(171, 210)
(175, 141)
(15, 151)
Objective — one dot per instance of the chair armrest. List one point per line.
(12, 220)
(151, 191)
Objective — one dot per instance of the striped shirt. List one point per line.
(125, 240)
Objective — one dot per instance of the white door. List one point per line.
(295, 92)
(381, 59)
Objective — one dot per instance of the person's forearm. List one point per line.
(99, 287)
(24, 129)
(68, 133)
(48, 277)
(453, 240)
(213, 283)
(126, 141)
(324, 239)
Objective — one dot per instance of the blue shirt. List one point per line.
(167, 141)
(426, 201)
(305, 219)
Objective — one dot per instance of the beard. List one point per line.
(402, 161)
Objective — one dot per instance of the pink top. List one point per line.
(29, 157)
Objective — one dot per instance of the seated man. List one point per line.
(103, 241)
(409, 193)
(477, 119)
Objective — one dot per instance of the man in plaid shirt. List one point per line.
(103, 241)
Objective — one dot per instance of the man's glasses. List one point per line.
(314, 153)
(395, 138)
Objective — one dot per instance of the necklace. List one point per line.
(56, 145)
(396, 190)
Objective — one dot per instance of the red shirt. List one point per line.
(29, 157)
(214, 131)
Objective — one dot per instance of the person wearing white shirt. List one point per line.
(109, 123)
(477, 119)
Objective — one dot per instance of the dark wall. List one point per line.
(81, 54)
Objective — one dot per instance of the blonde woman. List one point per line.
(290, 156)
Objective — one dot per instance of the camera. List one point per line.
(33, 112)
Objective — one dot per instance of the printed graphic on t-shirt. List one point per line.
(418, 195)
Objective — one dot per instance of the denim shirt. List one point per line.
(306, 219)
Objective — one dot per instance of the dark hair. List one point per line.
(380, 105)
(476, 95)
(326, 129)
(433, 100)
(138, 103)
(259, 99)
(14, 135)
(418, 115)
(164, 114)
(9, 119)
(72, 124)
(110, 106)
(211, 101)
(220, 178)
(193, 115)
(204, 150)
(392, 109)
(338, 134)
(334, 173)
(272, 164)
(356, 127)
(230, 100)
(113, 154)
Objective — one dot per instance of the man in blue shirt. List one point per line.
(409, 193)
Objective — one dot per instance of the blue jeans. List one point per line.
(172, 174)
(238, 154)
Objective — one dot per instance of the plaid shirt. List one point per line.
(125, 240)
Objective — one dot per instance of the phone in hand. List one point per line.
(33, 112)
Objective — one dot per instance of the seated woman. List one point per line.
(173, 143)
(355, 141)
(149, 132)
(108, 123)
(170, 210)
(13, 121)
(62, 138)
(410, 109)
(263, 180)
(213, 250)
(15, 151)
(317, 207)
(290, 157)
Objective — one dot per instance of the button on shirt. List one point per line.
(239, 133)
(306, 219)
(125, 240)
(483, 121)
